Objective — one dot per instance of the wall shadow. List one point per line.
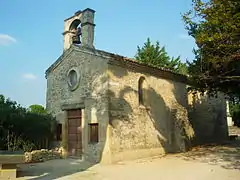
(187, 130)
(208, 117)
(53, 169)
(143, 122)
(225, 155)
(119, 73)
(99, 90)
(168, 122)
(209, 144)
(163, 119)
(179, 113)
(119, 107)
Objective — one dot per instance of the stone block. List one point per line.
(8, 171)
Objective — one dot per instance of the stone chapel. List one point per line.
(112, 108)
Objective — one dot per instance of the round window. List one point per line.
(73, 79)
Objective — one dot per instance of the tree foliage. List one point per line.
(234, 106)
(155, 55)
(21, 129)
(215, 26)
(38, 109)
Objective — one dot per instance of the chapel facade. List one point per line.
(111, 108)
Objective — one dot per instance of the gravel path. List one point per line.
(221, 162)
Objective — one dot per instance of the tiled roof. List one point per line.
(123, 61)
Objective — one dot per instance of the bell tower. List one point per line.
(79, 29)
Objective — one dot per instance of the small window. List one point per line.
(141, 91)
(93, 133)
(59, 132)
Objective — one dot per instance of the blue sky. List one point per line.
(31, 40)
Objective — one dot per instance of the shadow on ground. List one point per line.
(226, 155)
(53, 169)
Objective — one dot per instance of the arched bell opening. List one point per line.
(75, 29)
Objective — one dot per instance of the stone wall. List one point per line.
(208, 118)
(108, 95)
(157, 127)
(42, 155)
(90, 94)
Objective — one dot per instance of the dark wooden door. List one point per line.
(74, 132)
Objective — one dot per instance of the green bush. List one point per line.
(234, 107)
(22, 129)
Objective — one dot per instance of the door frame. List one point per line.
(65, 108)
(79, 133)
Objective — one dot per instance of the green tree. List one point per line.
(21, 129)
(234, 106)
(36, 108)
(215, 26)
(155, 55)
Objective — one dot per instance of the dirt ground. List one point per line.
(209, 162)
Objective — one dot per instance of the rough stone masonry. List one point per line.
(113, 108)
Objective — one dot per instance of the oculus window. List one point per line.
(73, 79)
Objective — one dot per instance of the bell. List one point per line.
(76, 39)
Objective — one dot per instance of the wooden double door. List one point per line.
(74, 120)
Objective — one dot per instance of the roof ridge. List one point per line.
(136, 61)
(118, 58)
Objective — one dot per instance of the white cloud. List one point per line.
(6, 40)
(185, 36)
(29, 76)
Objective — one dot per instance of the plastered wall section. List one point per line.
(91, 94)
(208, 117)
(154, 129)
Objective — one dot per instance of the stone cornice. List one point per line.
(72, 106)
(67, 32)
(87, 23)
(80, 12)
(89, 9)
